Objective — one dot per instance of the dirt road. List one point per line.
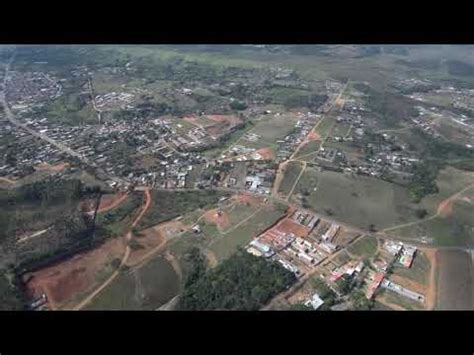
(442, 207)
(128, 238)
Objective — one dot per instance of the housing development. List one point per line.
(236, 177)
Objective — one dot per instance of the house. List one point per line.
(315, 302)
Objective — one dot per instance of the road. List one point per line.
(128, 238)
(441, 206)
(280, 170)
(11, 117)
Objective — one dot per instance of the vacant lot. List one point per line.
(146, 288)
(228, 243)
(455, 280)
(419, 271)
(167, 205)
(357, 199)
(67, 281)
(292, 171)
(308, 150)
(394, 298)
(275, 128)
(364, 247)
(455, 230)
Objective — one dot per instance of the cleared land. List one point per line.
(167, 205)
(367, 246)
(357, 199)
(291, 173)
(455, 280)
(145, 288)
(254, 225)
(65, 282)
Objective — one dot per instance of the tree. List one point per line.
(421, 213)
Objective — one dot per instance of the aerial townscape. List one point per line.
(236, 177)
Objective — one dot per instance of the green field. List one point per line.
(10, 298)
(292, 171)
(307, 152)
(357, 199)
(239, 211)
(274, 128)
(419, 270)
(227, 244)
(364, 247)
(325, 126)
(167, 205)
(146, 288)
(400, 300)
(116, 221)
(448, 231)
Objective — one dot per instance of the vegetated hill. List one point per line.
(459, 68)
(242, 282)
(50, 207)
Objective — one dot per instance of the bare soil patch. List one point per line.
(244, 198)
(313, 136)
(218, 217)
(63, 281)
(289, 226)
(54, 168)
(266, 153)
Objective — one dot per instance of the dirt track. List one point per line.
(128, 238)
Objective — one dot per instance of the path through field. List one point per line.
(128, 238)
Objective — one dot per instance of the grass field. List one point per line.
(9, 296)
(419, 271)
(292, 171)
(308, 151)
(445, 231)
(167, 205)
(275, 128)
(364, 247)
(338, 194)
(357, 199)
(402, 301)
(325, 126)
(146, 288)
(227, 244)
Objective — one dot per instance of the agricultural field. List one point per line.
(144, 288)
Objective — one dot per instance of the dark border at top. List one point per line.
(130, 35)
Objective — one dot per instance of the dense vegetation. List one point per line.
(10, 297)
(242, 282)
